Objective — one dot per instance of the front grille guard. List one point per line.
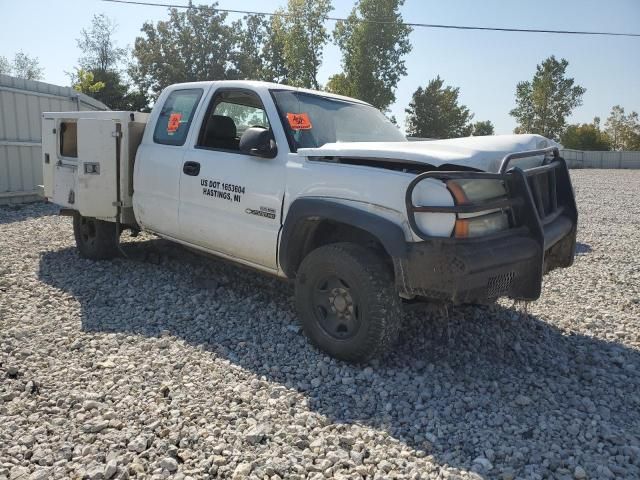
(529, 206)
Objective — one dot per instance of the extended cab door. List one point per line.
(159, 159)
(231, 202)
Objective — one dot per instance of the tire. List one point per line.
(347, 303)
(95, 239)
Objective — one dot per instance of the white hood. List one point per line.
(482, 153)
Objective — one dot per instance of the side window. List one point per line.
(69, 139)
(176, 115)
(229, 114)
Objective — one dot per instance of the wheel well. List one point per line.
(312, 234)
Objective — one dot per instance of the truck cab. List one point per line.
(322, 190)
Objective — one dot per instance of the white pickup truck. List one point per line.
(320, 189)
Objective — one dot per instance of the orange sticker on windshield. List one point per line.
(299, 121)
(174, 123)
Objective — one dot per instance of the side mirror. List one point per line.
(258, 141)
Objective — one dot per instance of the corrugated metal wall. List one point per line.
(21, 105)
(601, 159)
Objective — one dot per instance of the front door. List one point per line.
(230, 202)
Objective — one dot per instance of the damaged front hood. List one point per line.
(480, 153)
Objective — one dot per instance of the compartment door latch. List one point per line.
(91, 168)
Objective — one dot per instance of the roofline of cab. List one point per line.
(262, 85)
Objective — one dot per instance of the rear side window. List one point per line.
(69, 139)
(176, 115)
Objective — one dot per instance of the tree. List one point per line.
(587, 136)
(434, 112)
(543, 104)
(293, 43)
(84, 82)
(623, 129)
(340, 84)
(372, 52)
(633, 142)
(192, 45)
(100, 51)
(482, 128)
(99, 74)
(5, 66)
(109, 88)
(250, 56)
(304, 39)
(275, 64)
(22, 66)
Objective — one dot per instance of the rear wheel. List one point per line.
(347, 302)
(95, 239)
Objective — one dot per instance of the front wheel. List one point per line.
(95, 239)
(347, 302)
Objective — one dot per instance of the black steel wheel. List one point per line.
(336, 307)
(88, 231)
(95, 239)
(346, 301)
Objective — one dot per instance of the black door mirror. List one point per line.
(259, 142)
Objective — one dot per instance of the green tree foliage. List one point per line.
(191, 45)
(27, 67)
(544, 103)
(634, 141)
(199, 44)
(100, 65)
(623, 129)
(482, 128)
(304, 38)
(434, 112)
(340, 84)
(587, 136)
(109, 88)
(372, 53)
(275, 67)
(250, 58)
(22, 66)
(84, 81)
(285, 49)
(98, 45)
(5, 66)
(118, 94)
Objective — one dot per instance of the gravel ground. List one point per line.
(169, 365)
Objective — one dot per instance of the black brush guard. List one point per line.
(543, 221)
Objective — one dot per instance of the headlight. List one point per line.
(476, 190)
(434, 192)
(482, 223)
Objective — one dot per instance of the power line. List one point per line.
(383, 22)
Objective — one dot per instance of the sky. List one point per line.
(486, 66)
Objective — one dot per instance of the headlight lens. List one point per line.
(434, 192)
(476, 190)
(482, 223)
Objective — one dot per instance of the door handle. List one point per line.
(191, 168)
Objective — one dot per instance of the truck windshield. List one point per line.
(313, 120)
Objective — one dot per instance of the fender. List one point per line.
(306, 213)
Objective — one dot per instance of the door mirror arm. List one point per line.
(258, 142)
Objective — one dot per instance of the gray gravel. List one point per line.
(169, 365)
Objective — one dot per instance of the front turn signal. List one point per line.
(458, 193)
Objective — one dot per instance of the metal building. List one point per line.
(21, 105)
(601, 159)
